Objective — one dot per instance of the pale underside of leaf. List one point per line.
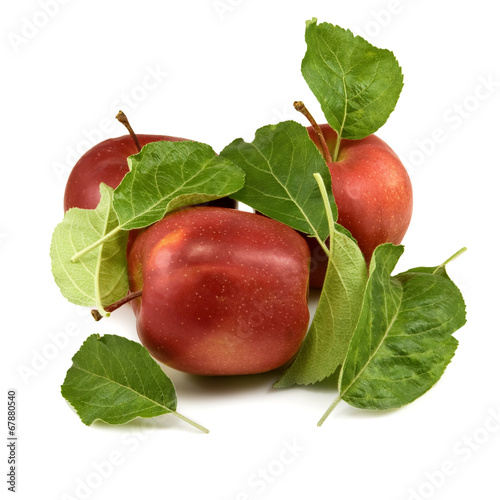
(100, 277)
(335, 319)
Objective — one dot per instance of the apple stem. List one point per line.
(122, 118)
(300, 106)
(113, 307)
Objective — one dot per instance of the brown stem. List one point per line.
(113, 307)
(300, 106)
(122, 118)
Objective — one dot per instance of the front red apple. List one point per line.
(224, 292)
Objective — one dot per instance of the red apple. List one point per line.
(373, 193)
(224, 292)
(105, 162)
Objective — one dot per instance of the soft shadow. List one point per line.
(230, 385)
(209, 386)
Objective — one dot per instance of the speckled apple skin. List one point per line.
(224, 291)
(373, 193)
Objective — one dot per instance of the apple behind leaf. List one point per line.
(224, 292)
(373, 193)
(105, 162)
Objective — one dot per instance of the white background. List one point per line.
(224, 69)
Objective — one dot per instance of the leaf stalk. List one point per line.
(189, 421)
(337, 149)
(330, 409)
(447, 261)
(328, 210)
(454, 256)
(100, 241)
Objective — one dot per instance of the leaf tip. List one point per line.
(281, 383)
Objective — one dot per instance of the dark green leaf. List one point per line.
(403, 341)
(279, 165)
(115, 380)
(357, 84)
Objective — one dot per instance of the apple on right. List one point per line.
(373, 193)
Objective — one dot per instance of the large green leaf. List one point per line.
(403, 341)
(279, 165)
(168, 175)
(357, 84)
(116, 380)
(99, 278)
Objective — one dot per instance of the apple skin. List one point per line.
(224, 292)
(373, 193)
(105, 162)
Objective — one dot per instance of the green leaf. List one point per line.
(337, 312)
(403, 341)
(116, 380)
(279, 165)
(357, 84)
(168, 175)
(100, 277)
